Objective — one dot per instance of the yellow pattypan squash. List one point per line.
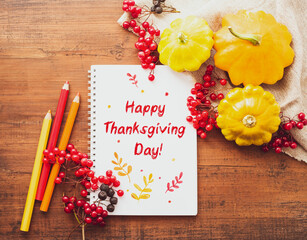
(253, 48)
(248, 115)
(186, 44)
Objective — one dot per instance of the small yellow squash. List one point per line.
(253, 48)
(248, 115)
(186, 44)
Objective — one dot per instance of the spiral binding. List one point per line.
(92, 117)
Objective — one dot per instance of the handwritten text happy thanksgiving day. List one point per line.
(145, 110)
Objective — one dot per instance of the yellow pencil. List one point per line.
(62, 146)
(27, 214)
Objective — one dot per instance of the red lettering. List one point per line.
(138, 149)
(129, 106)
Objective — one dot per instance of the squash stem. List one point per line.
(182, 38)
(253, 38)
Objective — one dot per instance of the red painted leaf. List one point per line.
(180, 175)
(129, 75)
(171, 190)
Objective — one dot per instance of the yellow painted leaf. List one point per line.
(151, 181)
(114, 162)
(129, 169)
(137, 187)
(121, 174)
(145, 180)
(133, 195)
(117, 168)
(120, 160)
(125, 165)
(147, 190)
(116, 155)
(150, 176)
(144, 196)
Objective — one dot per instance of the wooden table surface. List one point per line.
(243, 193)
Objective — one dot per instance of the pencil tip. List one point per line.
(66, 86)
(48, 115)
(77, 98)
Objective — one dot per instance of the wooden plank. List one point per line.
(243, 193)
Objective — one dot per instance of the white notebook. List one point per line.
(138, 129)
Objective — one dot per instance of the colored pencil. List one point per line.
(27, 214)
(62, 146)
(53, 139)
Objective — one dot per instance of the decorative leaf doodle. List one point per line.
(144, 190)
(171, 187)
(132, 79)
(121, 168)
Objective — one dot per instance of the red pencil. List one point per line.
(53, 140)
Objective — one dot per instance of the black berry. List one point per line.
(110, 192)
(102, 195)
(113, 200)
(110, 208)
(158, 10)
(104, 187)
(153, 9)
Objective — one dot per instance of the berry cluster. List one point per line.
(203, 115)
(157, 6)
(87, 213)
(129, 6)
(283, 137)
(146, 44)
(83, 211)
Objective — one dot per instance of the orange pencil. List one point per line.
(62, 146)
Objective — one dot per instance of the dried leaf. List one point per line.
(117, 168)
(129, 169)
(114, 162)
(137, 187)
(150, 176)
(147, 190)
(145, 180)
(121, 174)
(133, 195)
(120, 161)
(144, 196)
(125, 165)
(180, 175)
(116, 155)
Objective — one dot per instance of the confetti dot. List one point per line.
(166, 94)
(118, 141)
(169, 201)
(109, 106)
(141, 170)
(142, 91)
(127, 190)
(159, 177)
(173, 159)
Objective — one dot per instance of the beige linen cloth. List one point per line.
(291, 91)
